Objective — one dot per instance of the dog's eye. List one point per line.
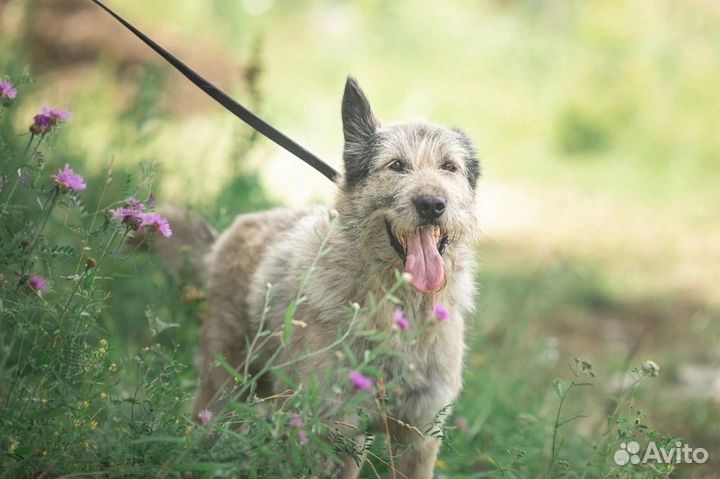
(396, 165)
(449, 166)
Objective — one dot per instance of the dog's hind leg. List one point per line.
(229, 326)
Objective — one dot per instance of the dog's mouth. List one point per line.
(422, 254)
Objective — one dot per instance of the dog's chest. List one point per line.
(423, 366)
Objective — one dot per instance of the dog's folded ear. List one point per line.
(359, 123)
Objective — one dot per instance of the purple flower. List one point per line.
(129, 213)
(41, 124)
(154, 222)
(400, 320)
(441, 314)
(133, 214)
(68, 180)
(56, 115)
(360, 382)
(296, 421)
(38, 283)
(7, 90)
(205, 416)
(134, 205)
(47, 118)
(127, 216)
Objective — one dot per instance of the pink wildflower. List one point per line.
(68, 180)
(47, 118)
(400, 320)
(56, 115)
(129, 213)
(296, 421)
(360, 382)
(154, 222)
(205, 416)
(38, 283)
(441, 313)
(7, 90)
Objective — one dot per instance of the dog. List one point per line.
(406, 203)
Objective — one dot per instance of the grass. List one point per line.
(596, 124)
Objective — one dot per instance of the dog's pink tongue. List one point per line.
(423, 261)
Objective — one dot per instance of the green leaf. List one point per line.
(289, 315)
(89, 281)
(229, 369)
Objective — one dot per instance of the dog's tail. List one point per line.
(184, 252)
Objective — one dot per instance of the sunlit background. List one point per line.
(597, 123)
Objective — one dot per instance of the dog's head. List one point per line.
(408, 192)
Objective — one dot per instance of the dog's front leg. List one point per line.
(417, 459)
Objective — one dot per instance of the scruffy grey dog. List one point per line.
(406, 202)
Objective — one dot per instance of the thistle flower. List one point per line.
(296, 421)
(205, 416)
(68, 180)
(56, 115)
(7, 90)
(440, 313)
(154, 222)
(38, 283)
(41, 124)
(47, 118)
(401, 321)
(133, 204)
(129, 213)
(360, 382)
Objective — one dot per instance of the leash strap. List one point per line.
(260, 125)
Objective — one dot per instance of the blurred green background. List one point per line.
(597, 124)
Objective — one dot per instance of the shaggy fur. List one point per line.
(386, 170)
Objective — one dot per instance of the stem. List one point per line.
(557, 427)
(388, 438)
(27, 147)
(37, 145)
(53, 201)
(20, 165)
(108, 179)
(248, 357)
(97, 267)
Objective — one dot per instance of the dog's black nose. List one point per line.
(430, 207)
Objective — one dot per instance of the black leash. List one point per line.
(260, 125)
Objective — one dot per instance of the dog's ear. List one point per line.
(357, 116)
(359, 125)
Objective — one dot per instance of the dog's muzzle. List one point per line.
(400, 250)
